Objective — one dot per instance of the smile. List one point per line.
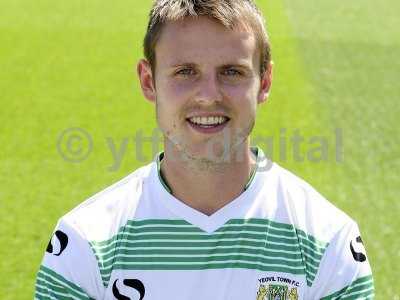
(208, 121)
(208, 124)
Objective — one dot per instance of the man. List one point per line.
(206, 220)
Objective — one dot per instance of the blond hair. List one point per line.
(229, 13)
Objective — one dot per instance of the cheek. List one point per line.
(166, 113)
(242, 97)
(177, 92)
(168, 99)
(170, 107)
(166, 118)
(244, 105)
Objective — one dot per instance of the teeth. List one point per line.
(208, 120)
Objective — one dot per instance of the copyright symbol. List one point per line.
(74, 144)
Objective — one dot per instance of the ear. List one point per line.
(146, 80)
(265, 86)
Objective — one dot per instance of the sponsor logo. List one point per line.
(58, 243)
(270, 288)
(135, 284)
(357, 249)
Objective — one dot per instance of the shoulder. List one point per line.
(329, 239)
(101, 215)
(304, 207)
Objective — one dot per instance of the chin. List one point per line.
(208, 153)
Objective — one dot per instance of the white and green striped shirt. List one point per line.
(278, 240)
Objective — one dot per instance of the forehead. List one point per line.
(203, 39)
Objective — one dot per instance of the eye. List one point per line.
(231, 72)
(186, 72)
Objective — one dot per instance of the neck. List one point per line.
(205, 185)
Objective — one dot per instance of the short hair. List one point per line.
(229, 13)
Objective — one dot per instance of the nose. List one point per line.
(209, 90)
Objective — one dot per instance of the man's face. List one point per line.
(206, 86)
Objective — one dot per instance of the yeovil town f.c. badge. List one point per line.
(276, 292)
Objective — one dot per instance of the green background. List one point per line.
(72, 64)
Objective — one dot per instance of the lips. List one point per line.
(208, 124)
(208, 120)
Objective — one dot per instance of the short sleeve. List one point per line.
(344, 272)
(69, 268)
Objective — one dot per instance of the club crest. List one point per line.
(277, 292)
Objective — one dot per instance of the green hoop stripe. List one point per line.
(50, 285)
(362, 288)
(178, 245)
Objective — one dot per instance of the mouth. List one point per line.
(208, 124)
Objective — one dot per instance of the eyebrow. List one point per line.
(181, 64)
(240, 66)
(243, 66)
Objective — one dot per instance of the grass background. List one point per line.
(72, 64)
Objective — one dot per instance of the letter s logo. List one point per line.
(358, 254)
(62, 239)
(136, 284)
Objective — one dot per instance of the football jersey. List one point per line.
(279, 239)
